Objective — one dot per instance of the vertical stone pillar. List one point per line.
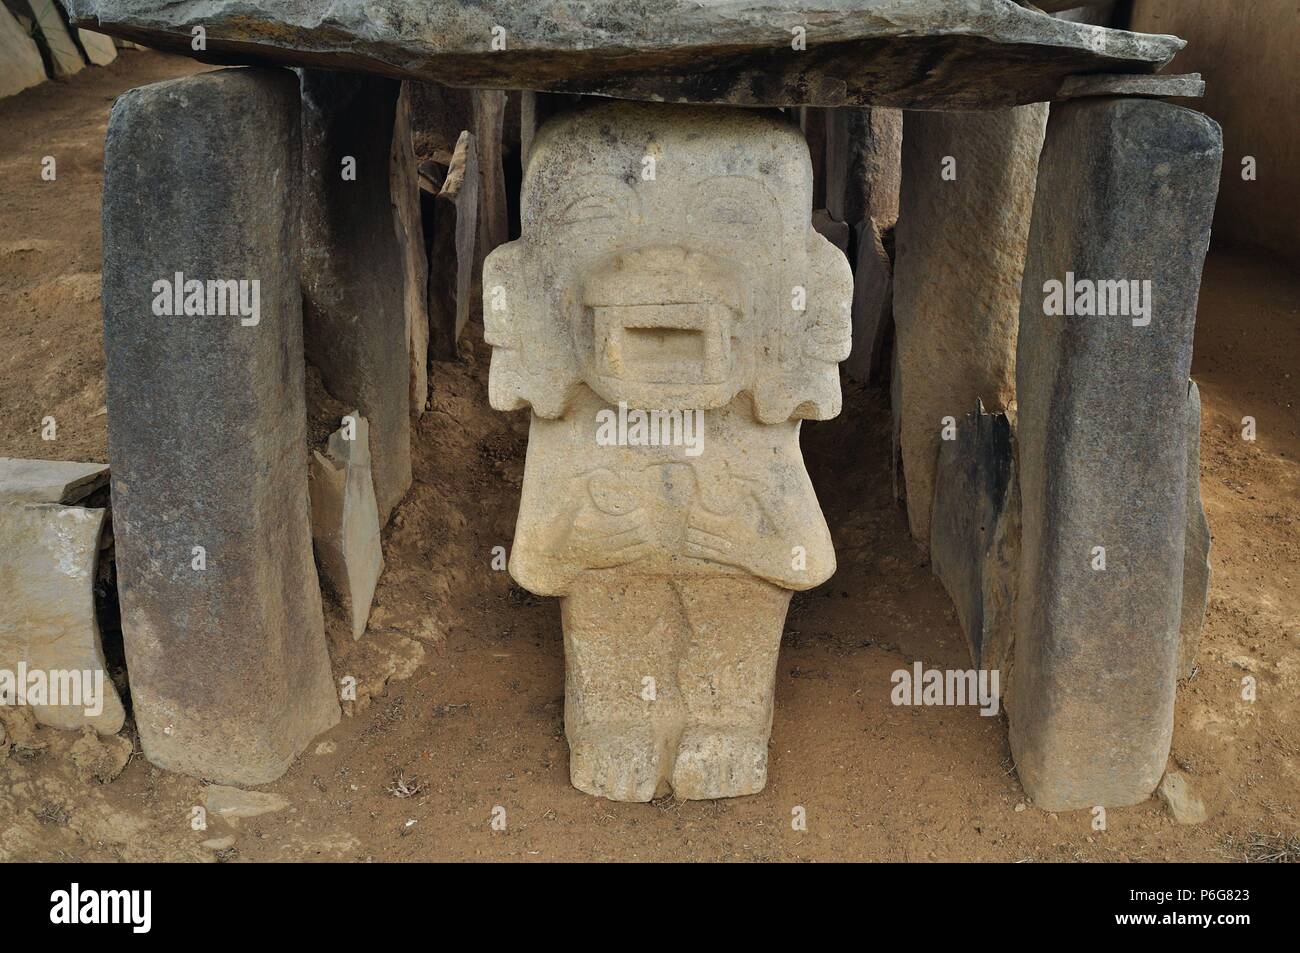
(863, 165)
(967, 194)
(452, 250)
(1125, 194)
(404, 189)
(353, 266)
(221, 610)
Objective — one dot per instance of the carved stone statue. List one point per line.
(670, 316)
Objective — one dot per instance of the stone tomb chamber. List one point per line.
(723, 209)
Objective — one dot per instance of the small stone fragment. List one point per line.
(100, 759)
(234, 803)
(1180, 798)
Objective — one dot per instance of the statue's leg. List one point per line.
(727, 675)
(622, 710)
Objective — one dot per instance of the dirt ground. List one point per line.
(461, 671)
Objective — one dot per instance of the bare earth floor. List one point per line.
(466, 670)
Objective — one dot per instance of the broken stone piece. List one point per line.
(1187, 85)
(99, 48)
(974, 533)
(49, 481)
(49, 636)
(345, 520)
(453, 249)
(911, 54)
(675, 553)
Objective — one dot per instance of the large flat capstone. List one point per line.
(916, 54)
(221, 608)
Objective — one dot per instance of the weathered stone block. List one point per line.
(353, 267)
(668, 302)
(489, 128)
(221, 611)
(49, 481)
(454, 249)
(1126, 193)
(49, 635)
(959, 252)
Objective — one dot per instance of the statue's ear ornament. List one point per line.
(802, 380)
(533, 364)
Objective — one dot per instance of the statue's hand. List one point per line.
(601, 541)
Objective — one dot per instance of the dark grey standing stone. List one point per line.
(1126, 190)
(453, 250)
(873, 304)
(1196, 546)
(974, 532)
(230, 677)
(353, 271)
(864, 164)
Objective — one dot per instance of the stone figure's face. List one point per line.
(669, 248)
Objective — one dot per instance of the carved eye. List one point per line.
(590, 208)
(735, 207)
(731, 213)
(595, 201)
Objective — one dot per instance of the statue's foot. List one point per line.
(618, 762)
(719, 762)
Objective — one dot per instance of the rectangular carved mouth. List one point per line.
(663, 345)
(679, 343)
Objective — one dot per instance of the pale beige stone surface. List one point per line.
(345, 521)
(49, 481)
(48, 555)
(959, 257)
(692, 287)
